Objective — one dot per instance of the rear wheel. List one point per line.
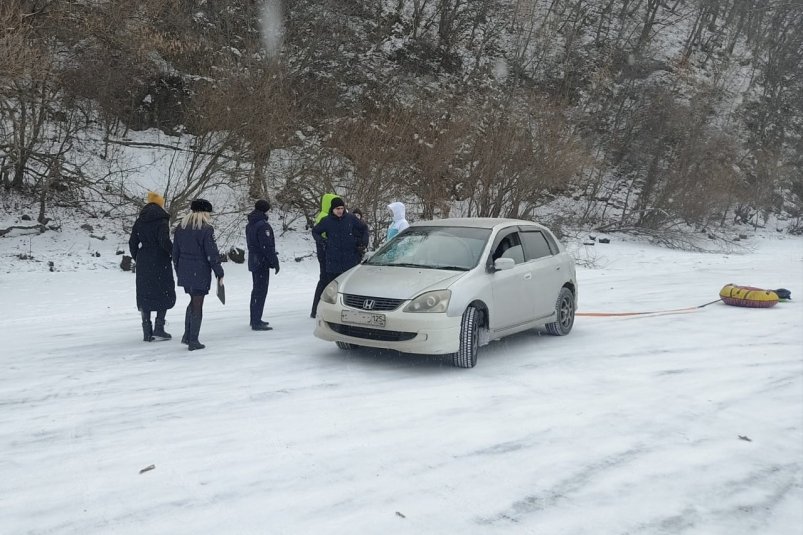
(564, 310)
(466, 356)
(345, 346)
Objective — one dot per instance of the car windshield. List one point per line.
(455, 248)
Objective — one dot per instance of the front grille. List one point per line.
(371, 334)
(380, 304)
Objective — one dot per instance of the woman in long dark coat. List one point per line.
(151, 248)
(196, 256)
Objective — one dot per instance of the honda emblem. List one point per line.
(368, 304)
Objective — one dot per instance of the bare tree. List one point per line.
(260, 110)
(370, 144)
(27, 90)
(518, 159)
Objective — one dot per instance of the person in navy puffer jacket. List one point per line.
(195, 257)
(344, 235)
(261, 258)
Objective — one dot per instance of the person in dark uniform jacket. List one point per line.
(196, 256)
(150, 248)
(261, 259)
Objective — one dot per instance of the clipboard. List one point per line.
(221, 293)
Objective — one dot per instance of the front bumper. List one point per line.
(408, 332)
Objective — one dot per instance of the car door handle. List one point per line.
(528, 276)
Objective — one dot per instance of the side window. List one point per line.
(536, 244)
(510, 247)
(553, 245)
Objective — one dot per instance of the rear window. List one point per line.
(535, 244)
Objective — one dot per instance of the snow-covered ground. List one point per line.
(670, 423)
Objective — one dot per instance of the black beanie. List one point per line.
(337, 201)
(201, 205)
(262, 205)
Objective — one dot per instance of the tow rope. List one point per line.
(730, 295)
(654, 312)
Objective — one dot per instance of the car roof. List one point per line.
(475, 222)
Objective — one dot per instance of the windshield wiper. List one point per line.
(424, 266)
(404, 264)
(451, 268)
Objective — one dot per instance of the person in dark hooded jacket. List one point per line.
(341, 234)
(150, 248)
(363, 234)
(196, 257)
(261, 258)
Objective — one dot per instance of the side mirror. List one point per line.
(501, 264)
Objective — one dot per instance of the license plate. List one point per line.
(362, 318)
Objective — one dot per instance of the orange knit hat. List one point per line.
(156, 198)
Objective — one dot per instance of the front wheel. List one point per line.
(564, 310)
(466, 356)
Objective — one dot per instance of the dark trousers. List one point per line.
(261, 279)
(322, 282)
(325, 279)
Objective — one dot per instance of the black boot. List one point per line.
(195, 329)
(159, 330)
(147, 327)
(185, 338)
(261, 326)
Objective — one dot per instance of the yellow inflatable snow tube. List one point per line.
(747, 296)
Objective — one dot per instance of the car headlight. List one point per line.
(329, 294)
(436, 301)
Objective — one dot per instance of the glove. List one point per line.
(276, 268)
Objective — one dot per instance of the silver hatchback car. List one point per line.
(449, 286)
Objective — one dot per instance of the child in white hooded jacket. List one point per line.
(399, 221)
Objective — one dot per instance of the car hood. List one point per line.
(396, 282)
